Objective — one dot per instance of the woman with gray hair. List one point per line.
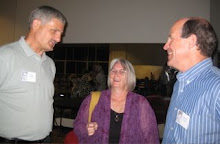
(120, 116)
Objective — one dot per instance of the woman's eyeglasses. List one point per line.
(121, 72)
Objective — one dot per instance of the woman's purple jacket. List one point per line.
(139, 124)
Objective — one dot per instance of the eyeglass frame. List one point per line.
(121, 72)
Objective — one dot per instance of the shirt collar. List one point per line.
(194, 71)
(29, 51)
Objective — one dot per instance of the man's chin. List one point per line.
(51, 48)
(169, 63)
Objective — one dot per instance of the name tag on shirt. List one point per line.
(28, 76)
(182, 119)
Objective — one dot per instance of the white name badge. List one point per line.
(28, 76)
(182, 119)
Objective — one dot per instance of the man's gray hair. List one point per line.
(45, 14)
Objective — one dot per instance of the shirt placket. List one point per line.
(178, 101)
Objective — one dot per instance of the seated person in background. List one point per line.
(121, 116)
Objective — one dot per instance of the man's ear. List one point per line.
(36, 23)
(192, 41)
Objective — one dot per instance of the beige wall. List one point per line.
(107, 21)
(139, 54)
(124, 21)
(146, 58)
(7, 21)
(143, 71)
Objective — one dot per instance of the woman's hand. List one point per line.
(91, 128)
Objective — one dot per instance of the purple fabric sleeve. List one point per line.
(138, 126)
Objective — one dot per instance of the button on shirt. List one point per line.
(196, 95)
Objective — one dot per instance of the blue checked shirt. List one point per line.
(196, 103)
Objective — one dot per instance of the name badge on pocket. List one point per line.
(28, 76)
(182, 119)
